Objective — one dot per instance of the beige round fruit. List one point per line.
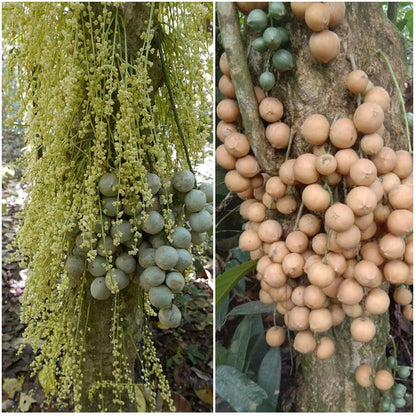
(275, 336)
(338, 315)
(350, 292)
(249, 240)
(317, 16)
(299, 8)
(325, 348)
(339, 217)
(379, 96)
(385, 160)
(396, 272)
(304, 169)
(274, 275)
(320, 320)
(402, 296)
(400, 222)
(326, 164)
(336, 12)
(228, 110)
(345, 158)
(225, 68)
(349, 238)
(287, 205)
(298, 318)
(371, 143)
(271, 109)
(310, 224)
(286, 172)
(363, 172)
(321, 275)
(343, 133)
(314, 297)
(363, 375)
(362, 200)
(224, 159)
(368, 117)
(224, 129)
(304, 342)
(275, 187)
(235, 182)
(278, 251)
(297, 241)
(368, 274)
(407, 312)
(383, 380)
(324, 46)
(293, 264)
(270, 231)
(226, 87)
(357, 81)
(363, 329)
(316, 198)
(237, 144)
(278, 135)
(377, 301)
(315, 129)
(247, 166)
(404, 164)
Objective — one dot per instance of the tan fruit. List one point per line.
(314, 297)
(270, 231)
(353, 311)
(228, 110)
(260, 94)
(325, 348)
(350, 292)
(304, 342)
(392, 247)
(316, 198)
(286, 172)
(319, 243)
(383, 380)
(337, 262)
(357, 81)
(223, 158)
(377, 187)
(363, 329)
(339, 217)
(326, 164)
(324, 46)
(368, 274)
(371, 252)
(408, 253)
(363, 172)
(265, 297)
(338, 315)
(364, 221)
(385, 160)
(247, 166)
(275, 187)
(297, 241)
(363, 375)
(381, 213)
(224, 129)
(235, 182)
(257, 181)
(400, 222)
(401, 197)
(315, 129)
(268, 201)
(407, 312)
(288, 304)
(293, 265)
(262, 264)
(225, 69)
(278, 251)
(299, 8)
(320, 320)
(377, 301)
(244, 207)
(247, 7)
(321, 275)
(287, 205)
(298, 318)
(379, 96)
(317, 16)
(311, 260)
(368, 117)
(304, 168)
(371, 144)
(256, 254)
(362, 200)
(297, 296)
(226, 87)
(274, 275)
(281, 294)
(258, 193)
(349, 272)
(343, 133)
(336, 12)
(345, 158)
(271, 109)
(249, 240)
(278, 135)
(402, 296)
(256, 212)
(275, 336)
(237, 144)
(349, 238)
(332, 290)
(310, 224)
(404, 164)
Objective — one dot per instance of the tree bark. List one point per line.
(315, 88)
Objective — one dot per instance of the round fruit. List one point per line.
(363, 375)
(403, 372)
(183, 181)
(273, 38)
(357, 81)
(363, 329)
(153, 181)
(198, 238)
(175, 282)
(383, 380)
(152, 276)
(336, 12)
(200, 221)
(237, 144)
(106, 247)
(109, 206)
(126, 263)
(368, 117)
(184, 260)
(108, 184)
(195, 200)
(325, 348)
(259, 44)
(315, 129)
(166, 257)
(275, 336)
(99, 289)
(377, 302)
(123, 231)
(98, 266)
(343, 133)
(379, 96)
(267, 80)
(320, 320)
(181, 237)
(116, 280)
(257, 20)
(278, 135)
(208, 190)
(170, 317)
(75, 266)
(304, 342)
(283, 60)
(324, 46)
(147, 257)
(299, 8)
(402, 296)
(277, 10)
(160, 296)
(226, 87)
(271, 109)
(317, 16)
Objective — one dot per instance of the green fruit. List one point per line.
(398, 390)
(78, 252)
(160, 296)
(73, 232)
(166, 257)
(183, 181)
(167, 187)
(99, 290)
(195, 200)
(126, 263)
(175, 282)
(144, 245)
(208, 190)
(84, 243)
(385, 404)
(108, 184)
(272, 38)
(282, 60)
(391, 362)
(181, 237)
(155, 205)
(200, 221)
(257, 20)
(259, 45)
(184, 259)
(159, 239)
(392, 408)
(267, 81)
(154, 182)
(170, 317)
(132, 208)
(284, 34)
(403, 372)
(106, 247)
(75, 266)
(123, 231)
(277, 10)
(154, 223)
(147, 257)
(98, 266)
(399, 403)
(410, 119)
(116, 280)
(104, 222)
(109, 206)
(198, 238)
(152, 276)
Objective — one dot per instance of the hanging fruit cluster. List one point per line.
(354, 200)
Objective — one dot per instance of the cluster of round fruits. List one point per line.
(324, 44)
(356, 235)
(273, 37)
(161, 257)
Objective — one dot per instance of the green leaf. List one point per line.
(240, 255)
(220, 354)
(220, 187)
(252, 308)
(269, 378)
(238, 390)
(239, 344)
(226, 281)
(257, 349)
(221, 313)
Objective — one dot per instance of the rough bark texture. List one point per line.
(315, 88)
(99, 358)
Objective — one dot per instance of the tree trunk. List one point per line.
(315, 88)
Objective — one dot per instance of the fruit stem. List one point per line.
(289, 146)
(172, 101)
(298, 216)
(344, 185)
(399, 93)
(357, 251)
(270, 208)
(326, 246)
(395, 356)
(351, 58)
(274, 317)
(328, 188)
